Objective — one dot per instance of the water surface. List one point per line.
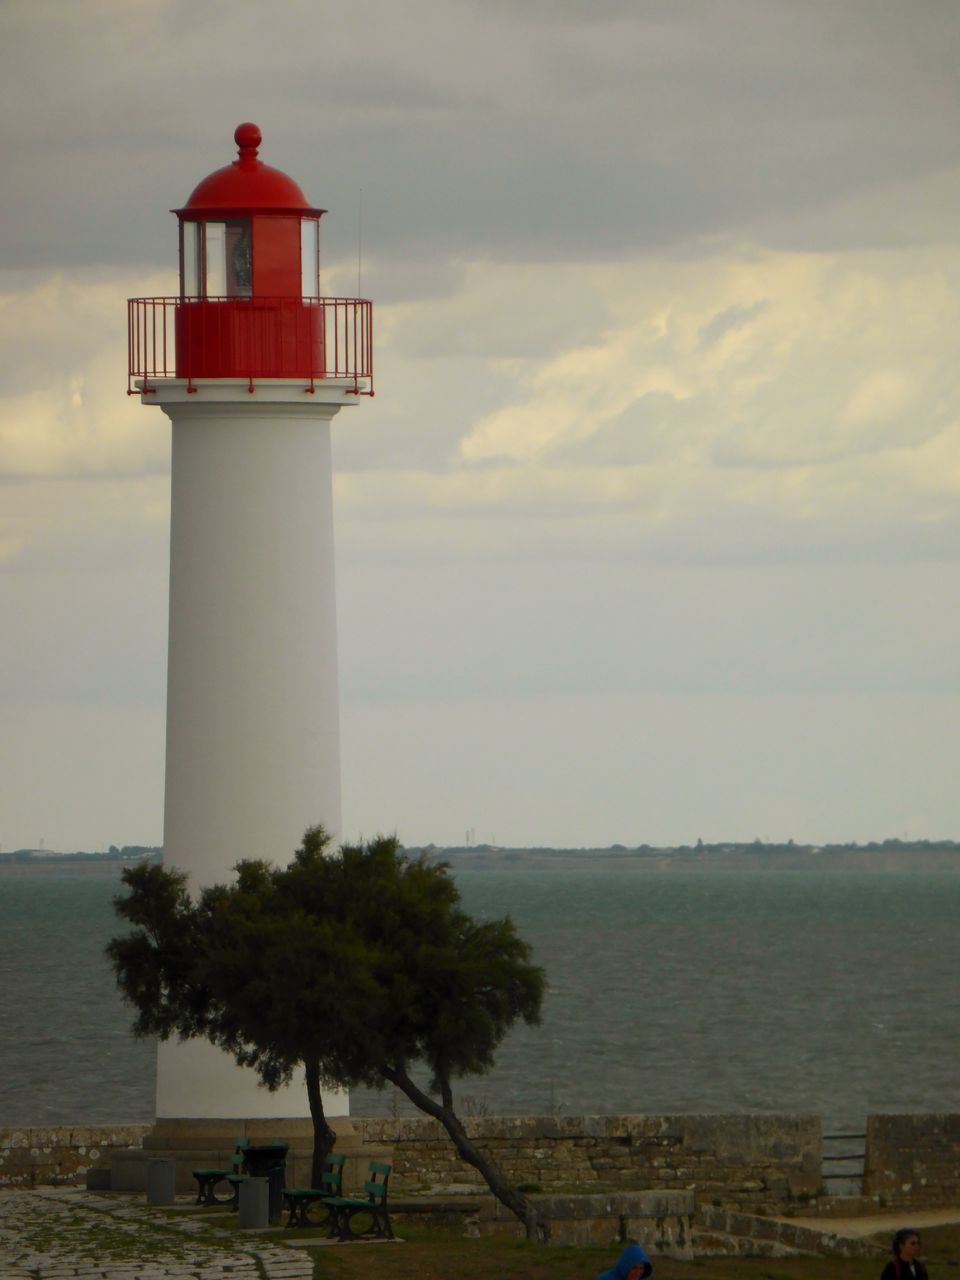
(669, 991)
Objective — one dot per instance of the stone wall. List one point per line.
(659, 1220)
(61, 1153)
(761, 1163)
(913, 1161)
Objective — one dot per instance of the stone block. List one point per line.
(663, 1204)
(710, 1244)
(740, 1224)
(128, 1170)
(766, 1229)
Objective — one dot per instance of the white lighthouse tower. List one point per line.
(250, 364)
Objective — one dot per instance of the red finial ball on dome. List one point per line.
(248, 184)
(248, 138)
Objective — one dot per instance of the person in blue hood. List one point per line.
(632, 1264)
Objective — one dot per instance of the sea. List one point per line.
(832, 993)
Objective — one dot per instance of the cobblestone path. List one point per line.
(61, 1234)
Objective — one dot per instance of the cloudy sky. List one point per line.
(651, 531)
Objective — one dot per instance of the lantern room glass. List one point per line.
(227, 259)
(309, 258)
(189, 259)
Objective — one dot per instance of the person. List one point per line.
(905, 1265)
(632, 1264)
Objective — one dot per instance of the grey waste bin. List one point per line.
(161, 1181)
(268, 1160)
(255, 1202)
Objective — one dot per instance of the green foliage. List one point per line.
(356, 964)
(156, 964)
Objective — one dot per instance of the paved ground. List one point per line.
(878, 1223)
(54, 1234)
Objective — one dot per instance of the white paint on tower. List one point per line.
(252, 699)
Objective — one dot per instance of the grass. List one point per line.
(438, 1255)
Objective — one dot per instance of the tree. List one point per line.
(356, 966)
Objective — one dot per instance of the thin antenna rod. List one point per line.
(360, 244)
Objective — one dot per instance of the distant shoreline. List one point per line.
(64, 865)
(891, 855)
(887, 855)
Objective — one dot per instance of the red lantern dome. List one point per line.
(247, 184)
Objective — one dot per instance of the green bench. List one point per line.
(371, 1213)
(208, 1179)
(305, 1202)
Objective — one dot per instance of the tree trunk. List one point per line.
(323, 1136)
(537, 1227)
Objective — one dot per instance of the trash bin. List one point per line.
(161, 1181)
(255, 1202)
(268, 1160)
(276, 1177)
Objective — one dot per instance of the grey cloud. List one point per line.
(542, 132)
(712, 533)
(729, 320)
(762, 627)
(645, 432)
(405, 279)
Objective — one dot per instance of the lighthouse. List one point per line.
(250, 364)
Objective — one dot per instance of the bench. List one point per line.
(304, 1202)
(372, 1212)
(207, 1179)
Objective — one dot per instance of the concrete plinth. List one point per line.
(196, 1144)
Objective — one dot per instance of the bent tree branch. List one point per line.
(537, 1227)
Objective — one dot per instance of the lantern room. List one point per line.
(248, 231)
(249, 304)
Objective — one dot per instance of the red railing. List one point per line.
(251, 338)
